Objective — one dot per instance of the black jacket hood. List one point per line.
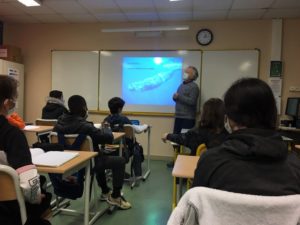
(257, 143)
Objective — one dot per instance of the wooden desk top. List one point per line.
(38, 129)
(185, 166)
(118, 135)
(289, 129)
(81, 158)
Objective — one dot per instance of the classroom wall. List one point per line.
(37, 41)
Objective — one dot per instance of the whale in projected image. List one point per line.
(154, 81)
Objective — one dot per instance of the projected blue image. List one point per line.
(151, 80)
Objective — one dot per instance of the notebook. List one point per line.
(53, 158)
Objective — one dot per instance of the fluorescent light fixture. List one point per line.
(175, 0)
(145, 34)
(30, 3)
(147, 29)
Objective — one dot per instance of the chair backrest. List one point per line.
(45, 122)
(10, 189)
(202, 205)
(87, 144)
(129, 131)
(200, 150)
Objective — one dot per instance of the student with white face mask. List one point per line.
(253, 159)
(14, 152)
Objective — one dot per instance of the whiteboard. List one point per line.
(221, 68)
(76, 73)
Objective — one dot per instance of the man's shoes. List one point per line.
(120, 202)
(170, 164)
(104, 196)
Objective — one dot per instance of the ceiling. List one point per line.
(86, 11)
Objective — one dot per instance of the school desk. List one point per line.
(184, 167)
(83, 160)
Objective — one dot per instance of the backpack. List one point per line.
(64, 188)
(137, 159)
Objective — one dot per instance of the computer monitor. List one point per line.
(293, 109)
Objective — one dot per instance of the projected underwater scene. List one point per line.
(151, 80)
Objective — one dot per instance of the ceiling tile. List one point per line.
(67, 7)
(253, 4)
(210, 15)
(135, 4)
(111, 17)
(166, 16)
(286, 4)
(50, 18)
(10, 9)
(246, 14)
(152, 16)
(167, 6)
(100, 6)
(34, 10)
(282, 13)
(80, 18)
(212, 4)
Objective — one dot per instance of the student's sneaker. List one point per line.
(104, 196)
(119, 202)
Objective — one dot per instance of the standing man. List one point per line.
(186, 99)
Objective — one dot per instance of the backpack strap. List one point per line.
(75, 145)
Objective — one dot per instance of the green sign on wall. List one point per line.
(276, 69)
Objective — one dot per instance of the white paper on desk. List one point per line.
(97, 125)
(139, 128)
(53, 158)
(36, 151)
(30, 127)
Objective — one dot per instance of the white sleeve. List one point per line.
(30, 183)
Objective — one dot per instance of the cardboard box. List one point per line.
(11, 53)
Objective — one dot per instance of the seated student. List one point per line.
(15, 153)
(254, 159)
(74, 122)
(55, 106)
(117, 122)
(116, 119)
(210, 131)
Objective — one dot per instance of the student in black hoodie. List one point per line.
(254, 159)
(55, 106)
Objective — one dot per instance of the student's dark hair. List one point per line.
(77, 105)
(55, 94)
(250, 102)
(8, 88)
(212, 116)
(114, 104)
(196, 74)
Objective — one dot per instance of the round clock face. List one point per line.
(204, 37)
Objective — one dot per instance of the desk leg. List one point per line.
(120, 147)
(148, 156)
(174, 202)
(87, 193)
(180, 187)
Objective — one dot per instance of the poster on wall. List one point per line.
(13, 72)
